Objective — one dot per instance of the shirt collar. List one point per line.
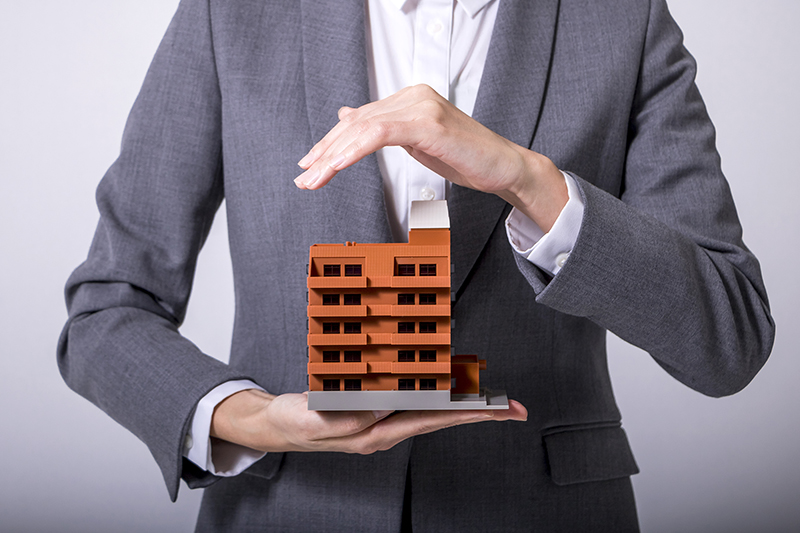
(470, 6)
(473, 6)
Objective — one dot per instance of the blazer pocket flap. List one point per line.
(267, 466)
(594, 454)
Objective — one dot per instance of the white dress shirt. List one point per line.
(441, 43)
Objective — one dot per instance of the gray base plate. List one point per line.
(404, 400)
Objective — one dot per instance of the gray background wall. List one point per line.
(70, 72)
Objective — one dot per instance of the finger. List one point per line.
(516, 412)
(401, 426)
(386, 434)
(318, 160)
(348, 115)
(310, 430)
(344, 111)
(319, 149)
(401, 127)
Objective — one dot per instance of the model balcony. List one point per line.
(337, 339)
(378, 367)
(387, 310)
(337, 282)
(323, 311)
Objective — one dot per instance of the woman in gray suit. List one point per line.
(581, 116)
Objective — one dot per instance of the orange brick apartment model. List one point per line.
(379, 325)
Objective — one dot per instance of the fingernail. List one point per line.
(381, 414)
(308, 178)
(299, 183)
(337, 161)
(307, 159)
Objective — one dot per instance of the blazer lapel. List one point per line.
(335, 70)
(509, 100)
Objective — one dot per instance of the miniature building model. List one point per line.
(379, 325)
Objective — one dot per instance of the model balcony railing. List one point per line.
(379, 367)
(337, 282)
(388, 310)
(337, 339)
(323, 311)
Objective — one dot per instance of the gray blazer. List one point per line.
(239, 90)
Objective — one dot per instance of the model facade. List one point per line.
(379, 325)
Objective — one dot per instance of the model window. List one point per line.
(352, 327)
(330, 299)
(427, 270)
(427, 327)
(405, 327)
(427, 299)
(406, 270)
(405, 356)
(355, 384)
(352, 270)
(405, 384)
(405, 299)
(330, 356)
(427, 384)
(330, 384)
(352, 299)
(427, 356)
(332, 270)
(352, 356)
(330, 327)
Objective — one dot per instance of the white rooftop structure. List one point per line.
(429, 214)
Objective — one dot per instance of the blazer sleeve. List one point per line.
(121, 348)
(664, 266)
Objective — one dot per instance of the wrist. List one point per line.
(236, 418)
(541, 192)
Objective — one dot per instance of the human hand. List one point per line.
(283, 423)
(446, 140)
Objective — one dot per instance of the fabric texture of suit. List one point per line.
(240, 90)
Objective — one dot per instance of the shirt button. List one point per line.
(561, 259)
(435, 26)
(188, 443)
(427, 193)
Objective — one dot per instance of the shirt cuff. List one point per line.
(548, 251)
(228, 459)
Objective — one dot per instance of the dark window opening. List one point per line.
(405, 356)
(406, 270)
(427, 299)
(352, 327)
(405, 327)
(330, 356)
(352, 356)
(330, 299)
(427, 356)
(355, 384)
(352, 270)
(352, 299)
(405, 384)
(330, 384)
(427, 327)
(330, 327)
(427, 384)
(405, 299)
(427, 270)
(332, 270)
